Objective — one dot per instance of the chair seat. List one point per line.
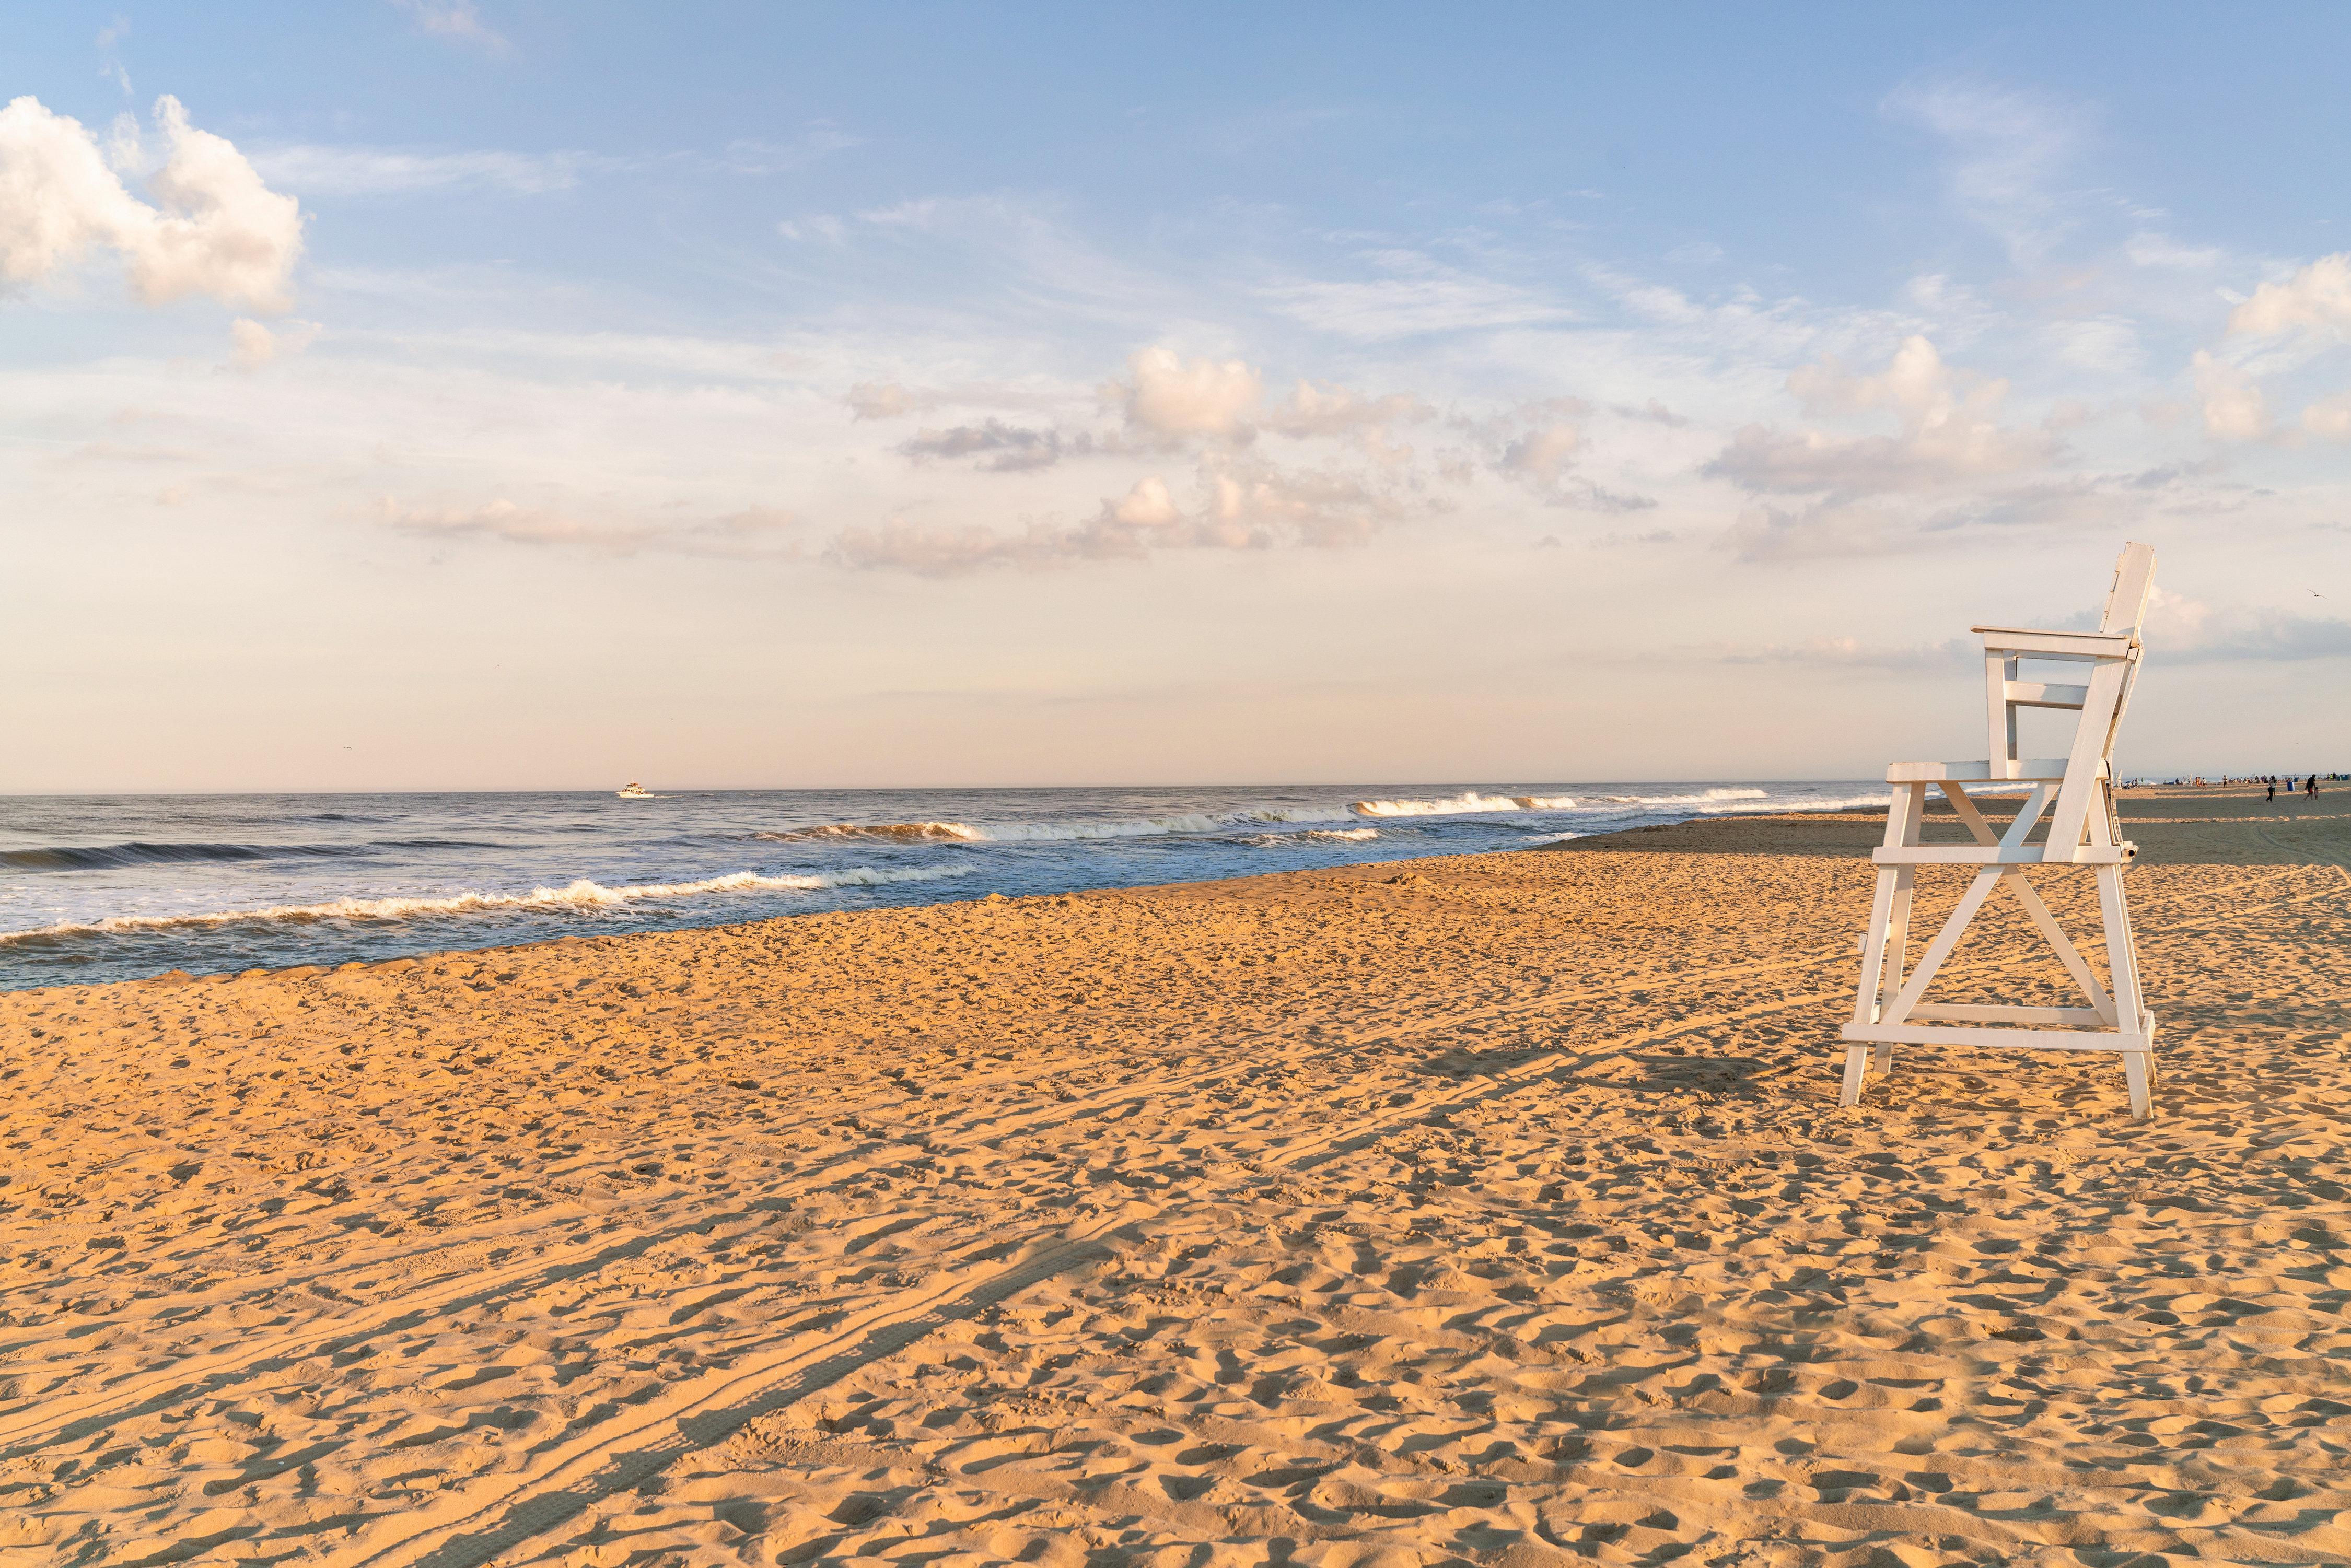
(2038, 769)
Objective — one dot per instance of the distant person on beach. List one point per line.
(2311, 786)
(2273, 791)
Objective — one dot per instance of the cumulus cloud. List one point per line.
(1323, 409)
(1242, 505)
(1000, 448)
(1951, 464)
(254, 345)
(2317, 296)
(753, 532)
(1950, 432)
(2234, 409)
(2329, 419)
(1167, 396)
(214, 228)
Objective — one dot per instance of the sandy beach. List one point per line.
(1488, 1209)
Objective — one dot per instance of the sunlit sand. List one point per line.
(1494, 1208)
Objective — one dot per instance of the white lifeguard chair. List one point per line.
(2082, 832)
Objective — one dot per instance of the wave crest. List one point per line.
(901, 833)
(582, 893)
(1452, 806)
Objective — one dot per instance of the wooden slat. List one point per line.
(1998, 1038)
(2023, 855)
(2041, 694)
(2030, 768)
(2069, 645)
(2085, 1017)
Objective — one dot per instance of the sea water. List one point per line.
(112, 887)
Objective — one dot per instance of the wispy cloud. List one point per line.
(756, 532)
(329, 169)
(2012, 157)
(459, 20)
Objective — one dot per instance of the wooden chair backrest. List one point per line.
(2126, 597)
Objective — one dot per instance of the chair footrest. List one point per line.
(1996, 855)
(2028, 1038)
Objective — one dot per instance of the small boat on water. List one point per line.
(636, 791)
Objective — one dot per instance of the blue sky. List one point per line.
(450, 395)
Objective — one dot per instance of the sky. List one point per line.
(516, 394)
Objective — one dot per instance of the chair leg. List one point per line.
(2139, 1074)
(1885, 1057)
(1856, 1062)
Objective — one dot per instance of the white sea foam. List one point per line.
(1852, 802)
(1553, 838)
(916, 832)
(1545, 802)
(580, 895)
(1453, 806)
(1157, 827)
(1706, 798)
(1356, 835)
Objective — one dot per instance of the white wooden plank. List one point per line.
(2075, 796)
(1972, 772)
(1998, 1038)
(2126, 609)
(2043, 694)
(2072, 646)
(1979, 854)
(2085, 1017)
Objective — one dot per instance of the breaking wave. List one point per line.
(1356, 835)
(1705, 798)
(901, 832)
(1453, 806)
(1067, 831)
(580, 895)
(1847, 804)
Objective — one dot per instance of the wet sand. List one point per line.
(1490, 1209)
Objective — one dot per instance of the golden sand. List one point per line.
(1491, 1209)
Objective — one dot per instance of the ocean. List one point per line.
(97, 888)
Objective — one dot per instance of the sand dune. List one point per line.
(1494, 1209)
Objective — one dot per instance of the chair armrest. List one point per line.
(2055, 645)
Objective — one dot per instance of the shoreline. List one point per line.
(1494, 1208)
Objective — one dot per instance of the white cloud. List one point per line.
(1170, 397)
(216, 228)
(2234, 409)
(1950, 432)
(254, 345)
(457, 19)
(2317, 296)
